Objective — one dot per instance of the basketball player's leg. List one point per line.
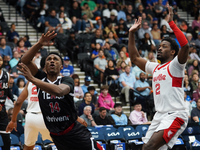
(155, 142)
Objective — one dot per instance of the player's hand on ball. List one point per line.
(12, 125)
(82, 121)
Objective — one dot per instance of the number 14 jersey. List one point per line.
(167, 84)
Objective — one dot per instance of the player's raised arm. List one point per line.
(133, 52)
(183, 53)
(45, 40)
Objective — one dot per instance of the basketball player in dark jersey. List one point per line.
(4, 92)
(55, 95)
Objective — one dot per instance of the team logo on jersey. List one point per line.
(3, 85)
(160, 77)
(169, 133)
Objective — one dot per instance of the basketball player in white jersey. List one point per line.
(34, 122)
(171, 117)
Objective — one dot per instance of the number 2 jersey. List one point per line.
(167, 84)
(58, 112)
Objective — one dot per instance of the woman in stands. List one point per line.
(20, 47)
(122, 57)
(95, 53)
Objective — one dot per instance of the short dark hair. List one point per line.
(85, 4)
(86, 93)
(90, 88)
(54, 53)
(105, 87)
(117, 105)
(20, 79)
(173, 44)
(101, 109)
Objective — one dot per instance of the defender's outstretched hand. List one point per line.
(171, 14)
(45, 39)
(136, 25)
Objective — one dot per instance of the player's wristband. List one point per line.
(179, 34)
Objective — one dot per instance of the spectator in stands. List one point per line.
(111, 38)
(183, 26)
(113, 20)
(137, 116)
(129, 11)
(13, 86)
(1, 32)
(188, 105)
(100, 64)
(78, 92)
(2, 19)
(93, 92)
(158, 8)
(121, 14)
(119, 117)
(107, 12)
(147, 44)
(65, 22)
(193, 54)
(92, 6)
(156, 34)
(87, 11)
(95, 52)
(109, 28)
(52, 23)
(75, 11)
(143, 30)
(194, 81)
(103, 119)
(124, 49)
(196, 93)
(68, 70)
(62, 9)
(196, 22)
(30, 8)
(195, 7)
(122, 32)
(12, 33)
(21, 49)
(41, 13)
(122, 67)
(123, 57)
(27, 42)
(194, 66)
(190, 39)
(4, 49)
(87, 101)
(20, 84)
(165, 22)
(88, 24)
(186, 85)
(140, 11)
(142, 87)
(127, 81)
(111, 73)
(110, 52)
(164, 32)
(195, 114)
(129, 21)
(88, 117)
(87, 84)
(98, 39)
(197, 41)
(105, 99)
(16, 57)
(99, 25)
(151, 57)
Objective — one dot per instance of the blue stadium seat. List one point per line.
(1, 141)
(142, 129)
(104, 129)
(179, 145)
(14, 142)
(46, 142)
(21, 138)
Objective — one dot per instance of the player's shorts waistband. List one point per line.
(36, 112)
(65, 131)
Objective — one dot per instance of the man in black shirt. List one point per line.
(102, 119)
(55, 95)
(195, 113)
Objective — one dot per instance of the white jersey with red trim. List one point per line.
(33, 101)
(167, 84)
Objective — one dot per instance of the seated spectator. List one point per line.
(87, 101)
(30, 8)
(164, 32)
(111, 73)
(92, 6)
(122, 32)
(186, 85)
(195, 114)
(158, 8)
(119, 117)
(143, 30)
(121, 14)
(21, 85)
(137, 116)
(99, 25)
(190, 39)
(111, 38)
(194, 82)
(129, 11)
(124, 49)
(103, 119)
(87, 11)
(27, 42)
(183, 26)
(196, 22)
(92, 91)
(4, 49)
(65, 22)
(52, 23)
(13, 86)
(88, 117)
(62, 9)
(107, 11)
(100, 64)
(127, 81)
(122, 67)
(21, 49)
(144, 89)
(113, 20)
(194, 66)
(2, 19)
(87, 84)
(98, 39)
(109, 27)
(75, 11)
(14, 61)
(188, 105)
(105, 99)
(122, 57)
(147, 44)
(68, 70)
(165, 22)
(193, 54)
(110, 52)
(88, 24)
(95, 52)
(151, 57)
(156, 34)
(196, 93)
(41, 13)
(12, 33)
(129, 21)
(78, 92)
(197, 41)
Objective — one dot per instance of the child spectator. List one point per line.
(78, 92)
(91, 90)
(20, 84)
(119, 117)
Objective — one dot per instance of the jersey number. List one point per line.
(54, 107)
(157, 89)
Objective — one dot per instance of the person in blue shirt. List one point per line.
(119, 117)
(12, 33)
(5, 50)
(127, 81)
(87, 84)
(67, 70)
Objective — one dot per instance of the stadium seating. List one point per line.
(15, 144)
